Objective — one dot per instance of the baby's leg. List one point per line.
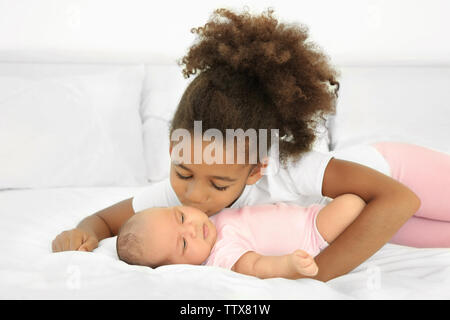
(427, 173)
(335, 217)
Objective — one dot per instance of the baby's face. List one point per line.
(176, 235)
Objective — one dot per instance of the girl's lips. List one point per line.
(205, 231)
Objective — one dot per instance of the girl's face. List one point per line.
(211, 187)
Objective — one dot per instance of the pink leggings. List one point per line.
(427, 173)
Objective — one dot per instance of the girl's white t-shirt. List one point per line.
(299, 182)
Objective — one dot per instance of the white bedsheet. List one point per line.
(28, 269)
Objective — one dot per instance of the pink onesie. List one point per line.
(271, 230)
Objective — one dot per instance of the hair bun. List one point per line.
(293, 71)
(239, 41)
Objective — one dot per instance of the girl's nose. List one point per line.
(195, 193)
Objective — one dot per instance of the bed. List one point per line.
(75, 132)
(29, 271)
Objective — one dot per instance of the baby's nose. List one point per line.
(191, 230)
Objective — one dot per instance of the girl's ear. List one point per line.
(257, 172)
(170, 148)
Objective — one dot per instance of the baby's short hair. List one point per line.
(131, 244)
(129, 248)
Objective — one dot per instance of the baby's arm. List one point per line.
(290, 266)
(334, 218)
(331, 222)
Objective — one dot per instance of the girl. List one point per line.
(254, 72)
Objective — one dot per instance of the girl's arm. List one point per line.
(94, 228)
(290, 266)
(389, 205)
(107, 222)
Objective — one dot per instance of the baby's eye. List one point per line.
(184, 243)
(182, 217)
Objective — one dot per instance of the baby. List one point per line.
(266, 241)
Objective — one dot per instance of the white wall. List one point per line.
(352, 32)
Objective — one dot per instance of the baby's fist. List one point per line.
(303, 263)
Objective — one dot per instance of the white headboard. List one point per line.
(352, 32)
(394, 57)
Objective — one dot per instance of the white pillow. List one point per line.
(70, 125)
(406, 104)
(163, 87)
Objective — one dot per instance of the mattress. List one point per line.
(31, 218)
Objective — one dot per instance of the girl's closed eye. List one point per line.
(182, 176)
(219, 188)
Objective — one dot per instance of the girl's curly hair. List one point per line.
(254, 72)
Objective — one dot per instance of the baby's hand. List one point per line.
(75, 239)
(303, 263)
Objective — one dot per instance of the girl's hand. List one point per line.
(75, 239)
(303, 263)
